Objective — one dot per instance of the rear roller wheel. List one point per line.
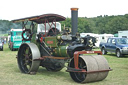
(89, 63)
(26, 55)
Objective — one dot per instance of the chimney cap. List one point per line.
(74, 9)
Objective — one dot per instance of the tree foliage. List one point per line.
(99, 24)
(6, 25)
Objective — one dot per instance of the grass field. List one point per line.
(11, 75)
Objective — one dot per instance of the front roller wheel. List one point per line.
(78, 76)
(26, 55)
(90, 63)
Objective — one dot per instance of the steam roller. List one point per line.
(51, 48)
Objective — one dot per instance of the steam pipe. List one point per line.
(74, 21)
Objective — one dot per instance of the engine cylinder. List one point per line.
(61, 51)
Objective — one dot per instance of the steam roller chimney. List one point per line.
(74, 21)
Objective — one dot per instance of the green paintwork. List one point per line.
(51, 41)
(61, 51)
(33, 39)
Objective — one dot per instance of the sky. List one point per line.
(16, 9)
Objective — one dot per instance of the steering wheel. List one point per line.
(27, 35)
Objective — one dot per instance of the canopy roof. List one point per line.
(42, 18)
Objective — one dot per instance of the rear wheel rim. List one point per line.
(25, 59)
(26, 55)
